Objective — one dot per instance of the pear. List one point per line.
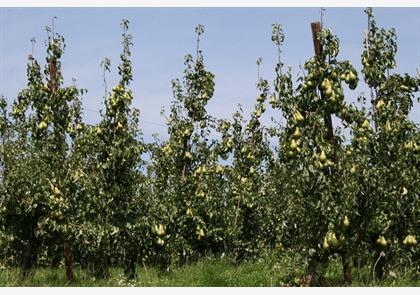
(127, 96)
(186, 132)
(298, 116)
(410, 240)
(329, 91)
(333, 240)
(159, 230)
(198, 171)
(366, 124)
(160, 242)
(219, 169)
(382, 241)
(324, 84)
(388, 126)
(189, 212)
(200, 233)
(379, 104)
(272, 100)
(352, 76)
(187, 155)
(325, 244)
(56, 191)
(297, 132)
(229, 143)
(347, 78)
(413, 241)
(203, 169)
(322, 157)
(346, 222)
(42, 125)
(224, 126)
(293, 145)
(409, 145)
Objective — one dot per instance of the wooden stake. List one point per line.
(316, 28)
(53, 76)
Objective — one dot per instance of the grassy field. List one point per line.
(210, 272)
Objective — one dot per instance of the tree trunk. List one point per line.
(101, 265)
(68, 261)
(347, 268)
(315, 274)
(29, 255)
(130, 267)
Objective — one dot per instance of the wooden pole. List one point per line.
(53, 77)
(316, 28)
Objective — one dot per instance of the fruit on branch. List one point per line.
(322, 157)
(381, 241)
(42, 125)
(346, 222)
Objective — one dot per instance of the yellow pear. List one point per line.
(328, 91)
(366, 124)
(272, 100)
(160, 242)
(297, 132)
(189, 212)
(379, 104)
(322, 157)
(325, 244)
(293, 145)
(346, 222)
(42, 125)
(187, 155)
(352, 76)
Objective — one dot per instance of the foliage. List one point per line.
(217, 186)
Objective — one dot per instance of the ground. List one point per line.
(268, 271)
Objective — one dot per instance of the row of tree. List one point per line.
(77, 193)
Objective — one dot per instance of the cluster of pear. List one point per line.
(159, 230)
(331, 241)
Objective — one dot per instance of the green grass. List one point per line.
(208, 272)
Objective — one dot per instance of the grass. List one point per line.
(268, 271)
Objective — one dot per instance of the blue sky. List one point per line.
(234, 39)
